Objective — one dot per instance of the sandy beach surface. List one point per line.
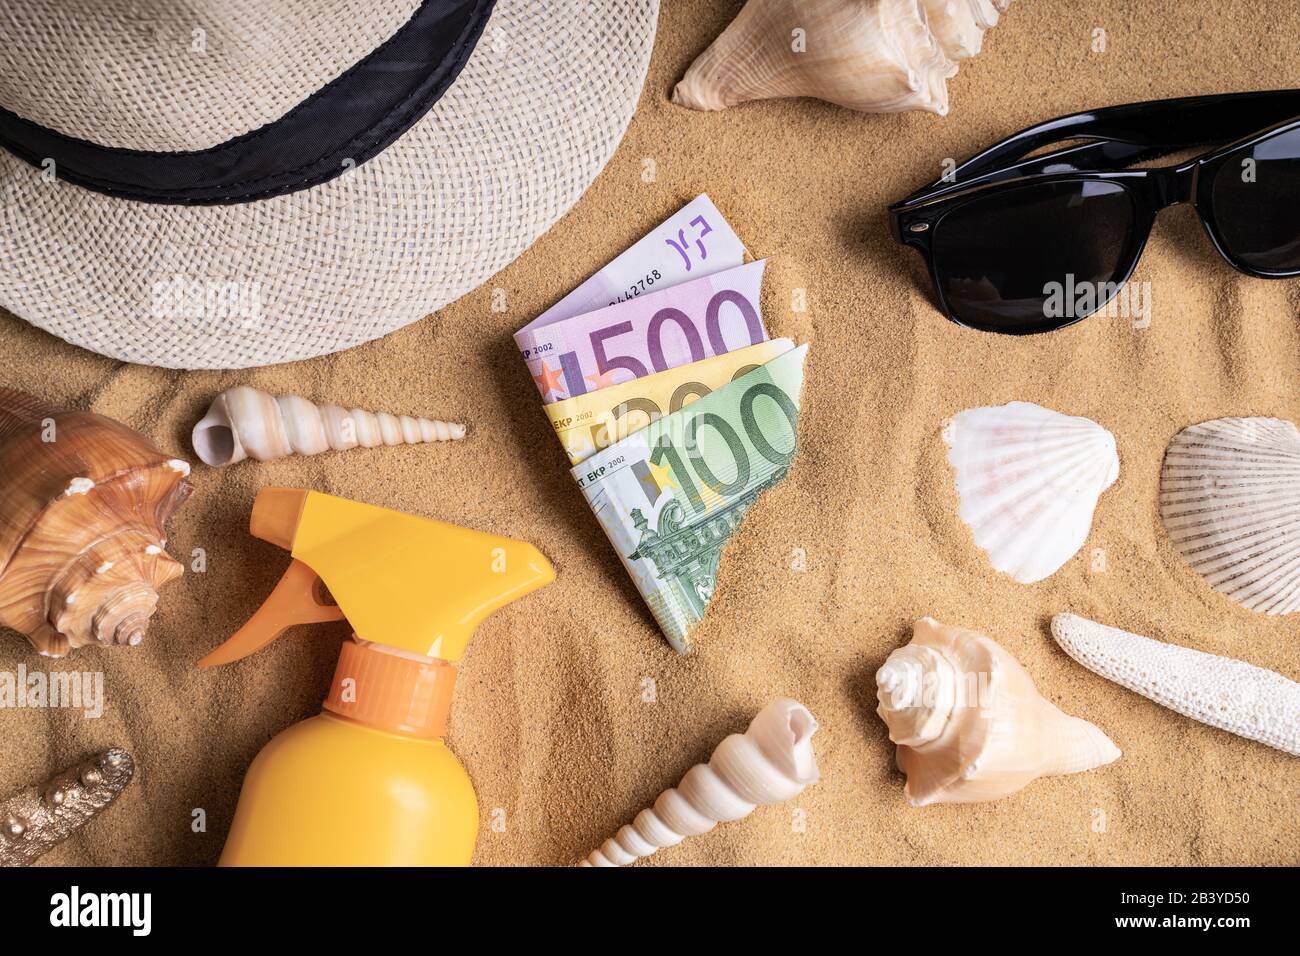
(572, 712)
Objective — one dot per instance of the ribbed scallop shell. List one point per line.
(1029, 479)
(1230, 502)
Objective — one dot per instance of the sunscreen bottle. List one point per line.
(369, 782)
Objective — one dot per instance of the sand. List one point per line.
(551, 716)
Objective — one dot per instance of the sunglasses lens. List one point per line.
(1036, 257)
(1256, 199)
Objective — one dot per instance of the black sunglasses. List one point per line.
(1020, 245)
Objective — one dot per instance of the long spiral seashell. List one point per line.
(1243, 699)
(770, 762)
(245, 422)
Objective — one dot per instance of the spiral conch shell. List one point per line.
(245, 422)
(970, 725)
(959, 25)
(770, 762)
(83, 501)
(876, 56)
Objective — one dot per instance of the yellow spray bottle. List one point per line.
(369, 782)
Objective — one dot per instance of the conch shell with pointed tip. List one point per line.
(245, 422)
(959, 25)
(969, 723)
(770, 762)
(877, 56)
(83, 502)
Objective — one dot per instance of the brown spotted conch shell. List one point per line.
(83, 501)
(245, 422)
(770, 762)
(877, 56)
(36, 819)
(969, 723)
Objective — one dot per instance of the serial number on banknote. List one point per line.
(636, 288)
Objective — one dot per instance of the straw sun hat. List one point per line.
(231, 183)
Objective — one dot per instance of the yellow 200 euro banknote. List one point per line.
(587, 423)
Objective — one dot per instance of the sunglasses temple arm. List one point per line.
(1131, 132)
(1084, 158)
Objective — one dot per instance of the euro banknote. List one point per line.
(587, 423)
(695, 241)
(670, 495)
(687, 323)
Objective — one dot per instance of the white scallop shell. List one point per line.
(1230, 501)
(1029, 479)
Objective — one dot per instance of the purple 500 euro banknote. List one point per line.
(694, 241)
(652, 333)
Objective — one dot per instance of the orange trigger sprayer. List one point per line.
(369, 782)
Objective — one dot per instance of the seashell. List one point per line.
(1243, 699)
(970, 725)
(245, 422)
(959, 25)
(1230, 502)
(1029, 479)
(770, 762)
(877, 56)
(37, 819)
(83, 502)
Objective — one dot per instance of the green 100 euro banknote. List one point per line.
(670, 495)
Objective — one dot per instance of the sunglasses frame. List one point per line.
(1113, 136)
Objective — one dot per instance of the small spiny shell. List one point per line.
(244, 422)
(36, 819)
(770, 762)
(83, 502)
(969, 723)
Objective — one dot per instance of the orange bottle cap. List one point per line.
(391, 691)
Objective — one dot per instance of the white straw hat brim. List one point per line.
(536, 113)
